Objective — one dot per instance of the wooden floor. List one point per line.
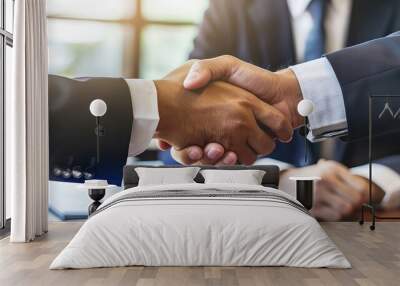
(375, 257)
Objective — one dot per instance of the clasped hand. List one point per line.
(224, 110)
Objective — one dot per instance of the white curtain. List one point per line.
(27, 123)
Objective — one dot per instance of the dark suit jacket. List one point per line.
(259, 32)
(72, 136)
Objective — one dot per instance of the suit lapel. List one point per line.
(270, 20)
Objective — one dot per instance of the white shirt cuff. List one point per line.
(319, 84)
(385, 178)
(145, 114)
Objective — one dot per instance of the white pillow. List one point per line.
(247, 177)
(166, 176)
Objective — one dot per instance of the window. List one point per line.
(129, 38)
(6, 43)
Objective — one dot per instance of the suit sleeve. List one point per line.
(216, 33)
(72, 129)
(371, 68)
(127, 126)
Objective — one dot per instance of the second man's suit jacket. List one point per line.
(259, 32)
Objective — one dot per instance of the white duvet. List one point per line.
(189, 231)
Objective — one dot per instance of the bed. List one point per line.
(198, 224)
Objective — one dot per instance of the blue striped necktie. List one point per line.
(315, 43)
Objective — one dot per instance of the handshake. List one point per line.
(224, 110)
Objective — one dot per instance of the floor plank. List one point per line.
(375, 257)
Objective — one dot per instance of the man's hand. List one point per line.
(212, 154)
(219, 113)
(338, 194)
(279, 89)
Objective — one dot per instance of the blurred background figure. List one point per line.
(276, 34)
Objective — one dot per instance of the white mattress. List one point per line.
(200, 231)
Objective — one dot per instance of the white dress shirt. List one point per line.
(337, 20)
(318, 83)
